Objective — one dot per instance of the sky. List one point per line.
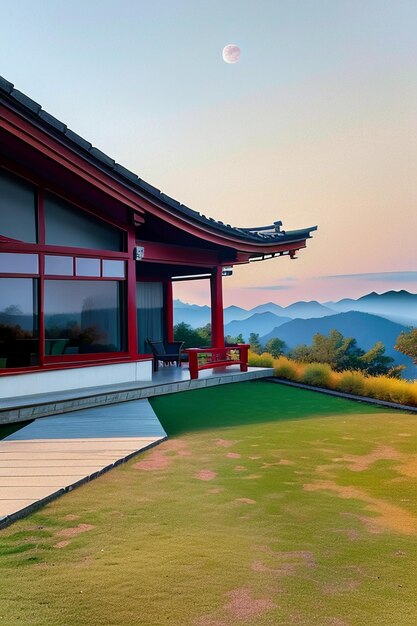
(316, 123)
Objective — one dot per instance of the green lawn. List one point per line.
(268, 505)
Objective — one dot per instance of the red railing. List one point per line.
(207, 358)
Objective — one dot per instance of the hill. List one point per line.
(366, 328)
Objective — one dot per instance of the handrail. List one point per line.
(207, 358)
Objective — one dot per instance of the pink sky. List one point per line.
(316, 123)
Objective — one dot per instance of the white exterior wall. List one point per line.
(17, 385)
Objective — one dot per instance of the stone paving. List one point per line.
(52, 455)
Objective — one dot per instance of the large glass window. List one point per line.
(17, 208)
(67, 225)
(18, 322)
(84, 317)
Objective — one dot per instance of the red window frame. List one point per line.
(43, 249)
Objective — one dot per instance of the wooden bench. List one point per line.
(208, 358)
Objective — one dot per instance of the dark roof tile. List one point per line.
(6, 85)
(77, 139)
(52, 121)
(26, 101)
(123, 171)
(187, 209)
(170, 201)
(102, 156)
(147, 187)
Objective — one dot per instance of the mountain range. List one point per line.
(398, 306)
(371, 318)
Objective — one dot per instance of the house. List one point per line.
(88, 256)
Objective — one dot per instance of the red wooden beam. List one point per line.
(166, 253)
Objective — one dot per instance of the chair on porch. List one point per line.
(166, 351)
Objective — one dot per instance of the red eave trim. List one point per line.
(167, 253)
(207, 234)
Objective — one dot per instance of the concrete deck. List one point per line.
(52, 455)
(168, 379)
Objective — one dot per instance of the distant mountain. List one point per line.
(398, 306)
(196, 315)
(235, 313)
(261, 323)
(366, 328)
(307, 310)
(179, 304)
(192, 314)
(268, 307)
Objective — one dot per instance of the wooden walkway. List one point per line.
(52, 455)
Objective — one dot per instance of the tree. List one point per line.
(193, 337)
(232, 341)
(255, 344)
(338, 351)
(407, 344)
(275, 347)
(343, 353)
(300, 353)
(375, 361)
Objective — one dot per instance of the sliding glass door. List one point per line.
(150, 313)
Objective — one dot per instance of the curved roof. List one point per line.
(265, 235)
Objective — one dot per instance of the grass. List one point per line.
(268, 505)
(355, 382)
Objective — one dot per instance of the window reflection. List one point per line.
(59, 265)
(87, 267)
(17, 208)
(11, 263)
(113, 269)
(84, 317)
(67, 225)
(18, 322)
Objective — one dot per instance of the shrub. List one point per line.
(317, 374)
(260, 360)
(352, 382)
(286, 368)
(392, 390)
(377, 387)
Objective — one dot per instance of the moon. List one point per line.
(231, 53)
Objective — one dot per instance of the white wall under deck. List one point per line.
(17, 385)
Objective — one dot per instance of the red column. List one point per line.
(169, 311)
(132, 333)
(217, 326)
